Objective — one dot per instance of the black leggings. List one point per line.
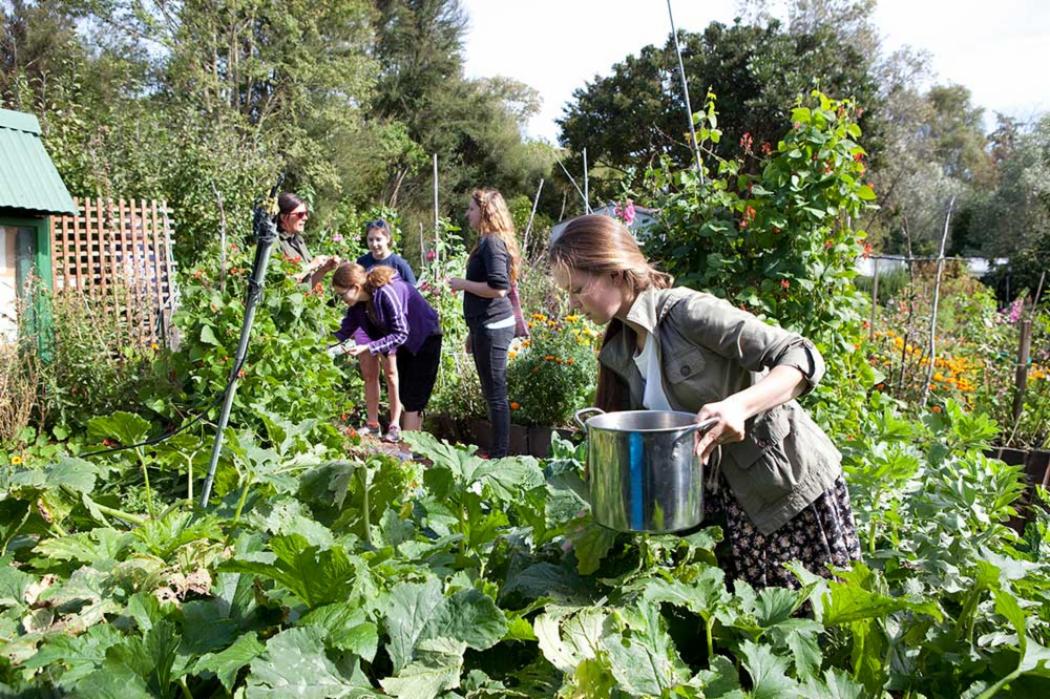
(490, 357)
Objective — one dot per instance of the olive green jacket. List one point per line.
(710, 350)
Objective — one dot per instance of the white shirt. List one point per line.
(648, 364)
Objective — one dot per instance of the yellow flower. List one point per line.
(154, 346)
(538, 316)
(16, 460)
(572, 318)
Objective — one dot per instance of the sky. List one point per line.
(998, 51)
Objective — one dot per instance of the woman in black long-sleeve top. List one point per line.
(491, 270)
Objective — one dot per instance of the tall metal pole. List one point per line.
(436, 216)
(685, 92)
(586, 188)
(265, 228)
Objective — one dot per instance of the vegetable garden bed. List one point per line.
(487, 578)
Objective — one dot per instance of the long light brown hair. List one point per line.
(350, 275)
(496, 220)
(602, 245)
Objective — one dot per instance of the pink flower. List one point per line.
(1016, 309)
(337, 238)
(746, 142)
(625, 212)
(431, 255)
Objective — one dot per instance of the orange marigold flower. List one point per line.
(514, 405)
(936, 409)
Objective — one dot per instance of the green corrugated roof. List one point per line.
(28, 178)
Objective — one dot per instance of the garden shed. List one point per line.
(31, 190)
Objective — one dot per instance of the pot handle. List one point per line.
(585, 411)
(701, 427)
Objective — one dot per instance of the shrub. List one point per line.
(286, 371)
(86, 361)
(553, 373)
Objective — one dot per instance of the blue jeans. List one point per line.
(490, 357)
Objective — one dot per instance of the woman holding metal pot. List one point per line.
(773, 473)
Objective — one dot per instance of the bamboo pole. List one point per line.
(435, 191)
(936, 300)
(685, 93)
(437, 216)
(532, 215)
(576, 186)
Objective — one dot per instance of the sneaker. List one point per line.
(393, 434)
(370, 430)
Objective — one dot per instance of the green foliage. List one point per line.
(90, 368)
(478, 573)
(633, 118)
(780, 242)
(286, 371)
(553, 374)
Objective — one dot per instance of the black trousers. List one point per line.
(490, 357)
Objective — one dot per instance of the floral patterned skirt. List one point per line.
(823, 533)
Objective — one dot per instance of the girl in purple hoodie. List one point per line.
(407, 338)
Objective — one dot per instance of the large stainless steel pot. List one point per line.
(642, 473)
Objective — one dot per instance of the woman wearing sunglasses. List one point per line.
(291, 222)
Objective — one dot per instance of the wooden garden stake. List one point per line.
(1024, 350)
(936, 299)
